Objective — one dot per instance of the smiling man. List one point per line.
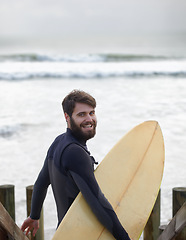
(69, 168)
(82, 122)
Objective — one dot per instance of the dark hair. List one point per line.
(75, 96)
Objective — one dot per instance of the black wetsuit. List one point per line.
(69, 168)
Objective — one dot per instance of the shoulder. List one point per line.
(54, 145)
(74, 149)
(74, 155)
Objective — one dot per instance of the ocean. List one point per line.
(130, 87)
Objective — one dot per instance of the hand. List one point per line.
(30, 224)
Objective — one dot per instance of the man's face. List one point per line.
(83, 121)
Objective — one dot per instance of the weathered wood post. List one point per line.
(179, 197)
(8, 229)
(151, 231)
(162, 228)
(7, 199)
(40, 232)
(175, 226)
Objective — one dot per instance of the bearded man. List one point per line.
(69, 168)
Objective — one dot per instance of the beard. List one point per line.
(79, 134)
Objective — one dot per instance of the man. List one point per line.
(69, 168)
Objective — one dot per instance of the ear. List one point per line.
(67, 118)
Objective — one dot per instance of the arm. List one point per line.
(38, 196)
(40, 191)
(77, 163)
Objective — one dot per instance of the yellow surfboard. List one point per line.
(129, 176)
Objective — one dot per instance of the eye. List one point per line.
(92, 113)
(81, 114)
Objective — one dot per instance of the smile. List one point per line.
(88, 125)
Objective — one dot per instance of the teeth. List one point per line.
(87, 126)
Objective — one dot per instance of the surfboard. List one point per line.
(129, 176)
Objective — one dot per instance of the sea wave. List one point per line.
(50, 58)
(35, 57)
(20, 70)
(10, 130)
(90, 75)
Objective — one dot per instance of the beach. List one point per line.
(130, 87)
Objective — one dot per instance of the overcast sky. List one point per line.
(91, 17)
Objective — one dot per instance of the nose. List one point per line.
(89, 118)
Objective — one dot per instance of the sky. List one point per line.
(32, 19)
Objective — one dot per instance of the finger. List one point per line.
(34, 232)
(23, 227)
(28, 230)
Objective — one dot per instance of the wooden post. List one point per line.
(8, 228)
(151, 231)
(179, 198)
(7, 199)
(175, 226)
(40, 232)
(162, 228)
(3, 233)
